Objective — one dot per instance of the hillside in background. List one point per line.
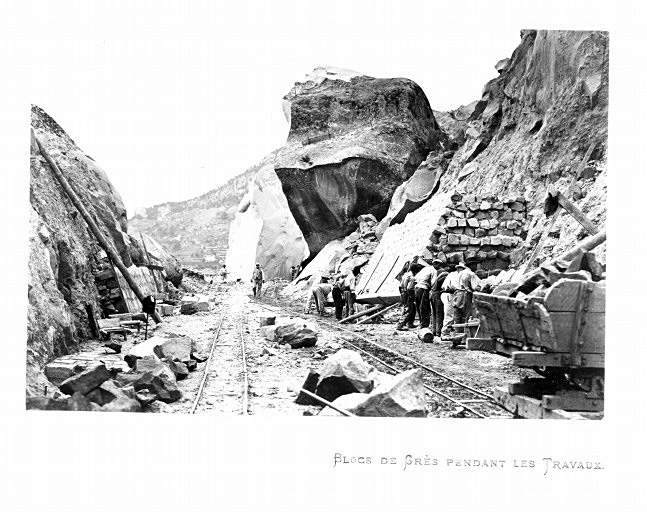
(196, 230)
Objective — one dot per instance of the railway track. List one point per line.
(445, 393)
(226, 364)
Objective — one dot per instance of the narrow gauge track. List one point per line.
(214, 380)
(473, 402)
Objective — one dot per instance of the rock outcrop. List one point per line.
(263, 230)
(353, 140)
(66, 263)
(531, 128)
(196, 231)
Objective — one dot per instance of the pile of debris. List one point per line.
(191, 304)
(349, 384)
(582, 266)
(155, 366)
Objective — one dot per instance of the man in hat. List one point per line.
(223, 274)
(258, 277)
(338, 295)
(423, 279)
(320, 293)
(448, 288)
(468, 283)
(437, 310)
(407, 297)
(350, 283)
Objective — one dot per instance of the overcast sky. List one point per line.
(172, 101)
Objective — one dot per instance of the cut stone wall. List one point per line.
(480, 230)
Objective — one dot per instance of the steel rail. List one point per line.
(206, 368)
(245, 380)
(429, 388)
(490, 400)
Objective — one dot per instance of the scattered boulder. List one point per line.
(148, 363)
(122, 404)
(200, 357)
(267, 320)
(342, 373)
(77, 402)
(86, 381)
(145, 397)
(191, 364)
(160, 381)
(269, 332)
(146, 348)
(296, 334)
(190, 308)
(176, 349)
(178, 368)
(310, 384)
(165, 309)
(404, 396)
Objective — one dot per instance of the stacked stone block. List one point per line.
(110, 294)
(483, 230)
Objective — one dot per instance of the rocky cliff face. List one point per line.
(194, 229)
(64, 257)
(531, 128)
(263, 230)
(353, 140)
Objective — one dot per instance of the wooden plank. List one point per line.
(483, 344)
(368, 279)
(562, 359)
(533, 387)
(379, 313)
(387, 274)
(576, 213)
(572, 402)
(562, 296)
(531, 408)
(108, 322)
(593, 335)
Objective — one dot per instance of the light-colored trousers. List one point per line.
(448, 319)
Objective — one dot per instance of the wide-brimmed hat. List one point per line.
(436, 260)
(460, 264)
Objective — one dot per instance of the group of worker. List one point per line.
(440, 296)
(343, 294)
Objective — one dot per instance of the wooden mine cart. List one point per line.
(560, 335)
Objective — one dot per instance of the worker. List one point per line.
(449, 286)
(408, 298)
(223, 274)
(468, 283)
(319, 295)
(338, 295)
(294, 272)
(350, 283)
(437, 309)
(423, 279)
(258, 277)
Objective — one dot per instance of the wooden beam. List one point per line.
(586, 245)
(483, 344)
(576, 213)
(528, 407)
(358, 315)
(557, 212)
(572, 402)
(71, 194)
(379, 313)
(562, 359)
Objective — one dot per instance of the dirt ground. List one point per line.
(276, 373)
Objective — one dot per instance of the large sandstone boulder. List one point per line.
(342, 373)
(264, 231)
(353, 140)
